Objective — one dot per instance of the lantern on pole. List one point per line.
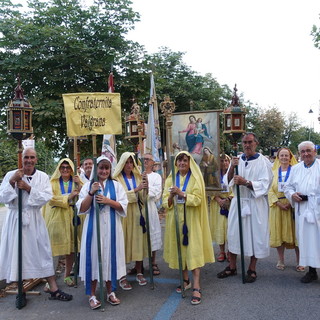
(134, 127)
(234, 128)
(19, 117)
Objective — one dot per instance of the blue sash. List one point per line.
(62, 185)
(185, 240)
(185, 182)
(280, 175)
(109, 187)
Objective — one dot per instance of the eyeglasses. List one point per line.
(147, 159)
(65, 168)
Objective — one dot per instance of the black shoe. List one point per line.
(308, 277)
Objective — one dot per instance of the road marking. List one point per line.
(169, 307)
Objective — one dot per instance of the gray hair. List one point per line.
(251, 134)
(27, 149)
(306, 143)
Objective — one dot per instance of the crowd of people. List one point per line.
(279, 206)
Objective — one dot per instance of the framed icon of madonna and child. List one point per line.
(198, 133)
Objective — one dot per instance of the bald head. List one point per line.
(29, 160)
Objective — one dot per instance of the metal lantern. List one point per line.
(134, 125)
(234, 118)
(19, 115)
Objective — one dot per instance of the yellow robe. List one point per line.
(199, 251)
(281, 222)
(58, 215)
(218, 222)
(135, 241)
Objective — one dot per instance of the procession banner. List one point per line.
(92, 113)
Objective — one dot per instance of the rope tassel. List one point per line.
(185, 240)
(143, 223)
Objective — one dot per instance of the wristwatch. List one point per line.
(247, 184)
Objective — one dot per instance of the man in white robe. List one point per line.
(36, 251)
(304, 180)
(254, 180)
(154, 195)
(87, 166)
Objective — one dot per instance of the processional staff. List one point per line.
(234, 127)
(19, 115)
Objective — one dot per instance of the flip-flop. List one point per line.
(112, 299)
(300, 268)
(125, 285)
(280, 266)
(142, 281)
(94, 303)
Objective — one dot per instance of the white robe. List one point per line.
(84, 178)
(307, 213)
(154, 195)
(36, 250)
(105, 234)
(254, 209)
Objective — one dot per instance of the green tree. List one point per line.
(58, 47)
(268, 125)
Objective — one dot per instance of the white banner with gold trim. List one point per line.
(90, 113)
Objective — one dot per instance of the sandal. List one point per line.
(196, 300)
(60, 295)
(112, 299)
(94, 303)
(300, 268)
(251, 276)
(221, 257)
(133, 271)
(68, 281)
(124, 284)
(155, 270)
(280, 266)
(227, 272)
(142, 281)
(188, 286)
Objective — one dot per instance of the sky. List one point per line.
(265, 47)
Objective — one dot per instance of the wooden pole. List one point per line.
(94, 147)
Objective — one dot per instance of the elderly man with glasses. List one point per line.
(302, 190)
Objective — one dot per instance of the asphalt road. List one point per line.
(275, 295)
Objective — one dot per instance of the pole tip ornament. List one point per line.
(19, 115)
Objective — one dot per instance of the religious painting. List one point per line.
(198, 133)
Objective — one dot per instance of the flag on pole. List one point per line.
(153, 141)
(110, 83)
(109, 140)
